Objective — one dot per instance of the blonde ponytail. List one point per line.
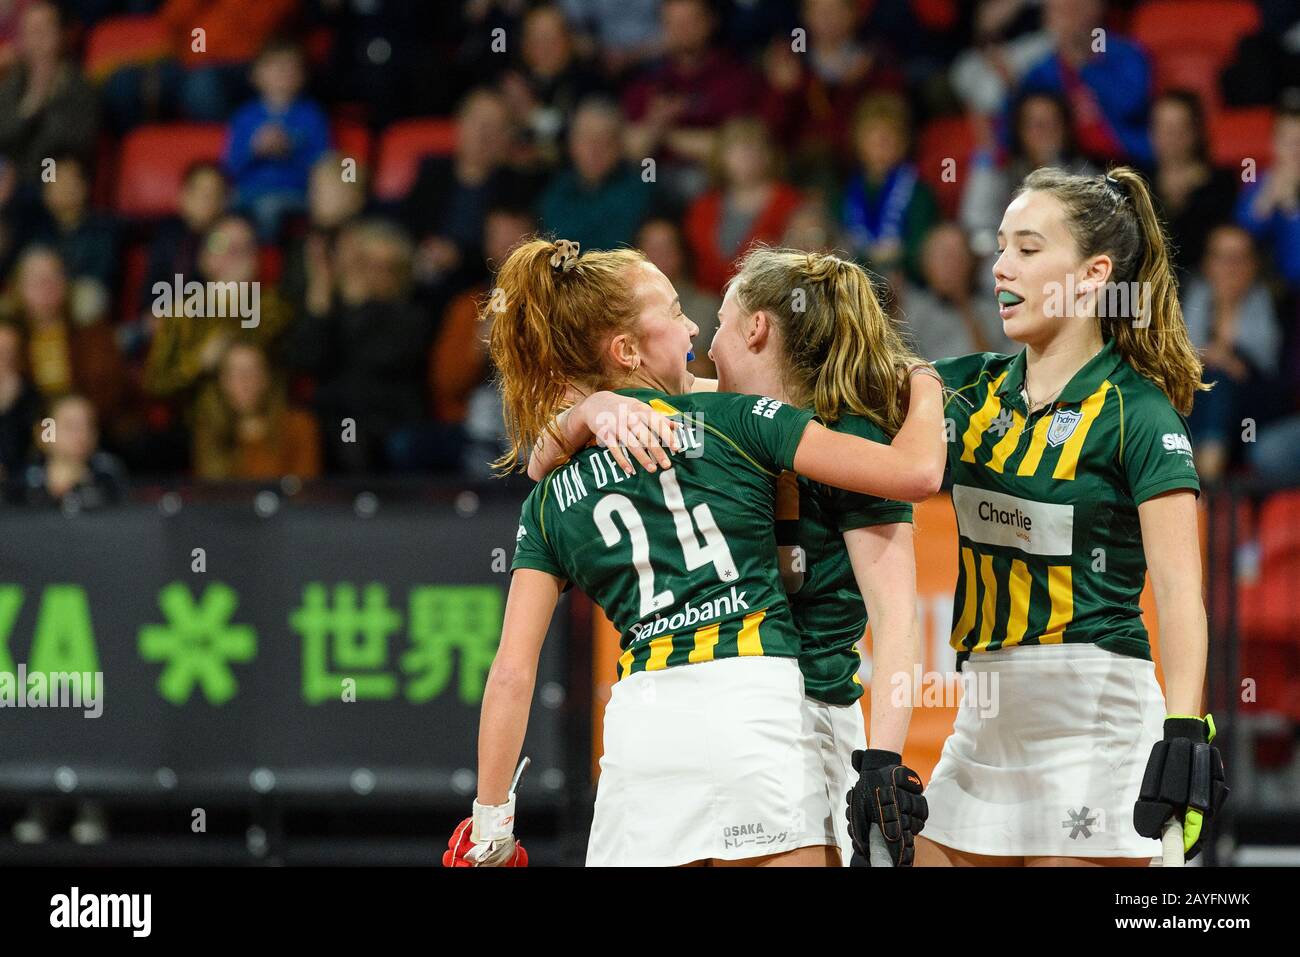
(842, 353)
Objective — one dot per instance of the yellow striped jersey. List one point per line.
(1050, 544)
(683, 561)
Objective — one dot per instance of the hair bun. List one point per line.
(565, 256)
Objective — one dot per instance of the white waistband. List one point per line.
(1057, 651)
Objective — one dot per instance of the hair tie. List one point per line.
(565, 256)
(1116, 185)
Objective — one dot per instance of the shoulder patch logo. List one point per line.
(1063, 425)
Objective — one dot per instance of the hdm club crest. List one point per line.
(1062, 427)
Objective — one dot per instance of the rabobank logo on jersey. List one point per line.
(993, 518)
(689, 616)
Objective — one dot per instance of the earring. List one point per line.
(637, 365)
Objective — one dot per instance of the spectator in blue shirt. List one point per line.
(1105, 78)
(1270, 208)
(274, 141)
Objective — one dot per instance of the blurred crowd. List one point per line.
(894, 131)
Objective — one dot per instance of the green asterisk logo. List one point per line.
(198, 643)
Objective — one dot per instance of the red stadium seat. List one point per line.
(153, 161)
(136, 266)
(1274, 667)
(319, 44)
(1240, 134)
(116, 42)
(1279, 530)
(1194, 69)
(353, 141)
(401, 148)
(1268, 614)
(101, 190)
(1178, 24)
(270, 264)
(950, 137)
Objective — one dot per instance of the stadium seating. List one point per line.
(270, 263)
(1268, 615)
(1240, 134)
(158, 157)
(353, 141)
(401, 148)
(1279, 548)
(116, 42)
(1209, 25)
(135, 267)
(949, 137)
(1189, 69)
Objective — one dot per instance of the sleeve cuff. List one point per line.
(536, 564)
(792, 443)
(867, 518)
(1151, 490)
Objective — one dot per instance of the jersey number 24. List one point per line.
(714, 550)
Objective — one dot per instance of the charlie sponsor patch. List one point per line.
(993, 518)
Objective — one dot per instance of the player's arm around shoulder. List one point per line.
(910, 469)
(624, 425)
